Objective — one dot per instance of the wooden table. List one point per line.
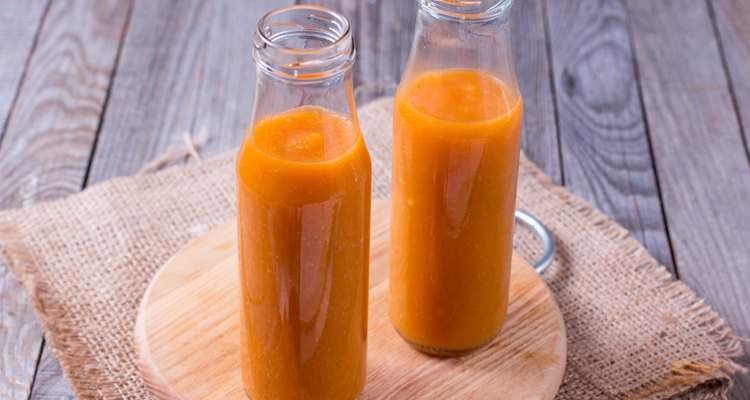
(639, 106)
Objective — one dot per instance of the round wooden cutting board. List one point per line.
(187, 333)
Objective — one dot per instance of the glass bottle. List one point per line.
(456, 144)
(303, 184)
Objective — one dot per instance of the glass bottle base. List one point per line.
(438, 352)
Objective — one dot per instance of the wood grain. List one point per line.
(188, 328)
(605, 150)
(19, 24)
(528, 36)
(49, 383)
(20, 338)
(395, 33)
(185, 65)
(48, 141)
(383, 32)
(702, 166)
(20, 21)
(732, 20)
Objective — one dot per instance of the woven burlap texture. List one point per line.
(85, 261)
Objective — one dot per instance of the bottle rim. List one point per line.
(332, 53)
(263, 29)
(467, 10)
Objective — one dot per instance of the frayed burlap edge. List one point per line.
(683, 373)
(19, 261)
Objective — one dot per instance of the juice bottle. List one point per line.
(456, 144)
(303, 184)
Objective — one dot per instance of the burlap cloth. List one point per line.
(85, 261)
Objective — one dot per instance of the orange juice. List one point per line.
(304, 227)
(457, 135)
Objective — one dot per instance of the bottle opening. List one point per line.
(303, 42)
(476, 10)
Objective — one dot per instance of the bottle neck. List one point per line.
(303, 56)
(468, 34)
(303, 44)
(468, 10)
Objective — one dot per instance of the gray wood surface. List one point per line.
(49, 383)
(605, 150)
(531, 58)
(636, 105)
(185, 65)
(383, 32)
(732, 20)
(19, 24)
(47, 145)
(20, 335)
(701, 163)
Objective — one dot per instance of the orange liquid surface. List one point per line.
(456, 146)
(304, 229)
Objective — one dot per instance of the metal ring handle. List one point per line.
(548, 241)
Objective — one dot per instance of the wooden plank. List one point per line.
(20, 21)
(46, 147)
(395, 33)
(605, 149)
(185, 65)
(50, 384)
(383, 32)
(539, 140)
(732, 19)
(702, 167)
(20, 338)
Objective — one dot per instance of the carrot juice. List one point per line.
(303, 220)
(457, 135)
